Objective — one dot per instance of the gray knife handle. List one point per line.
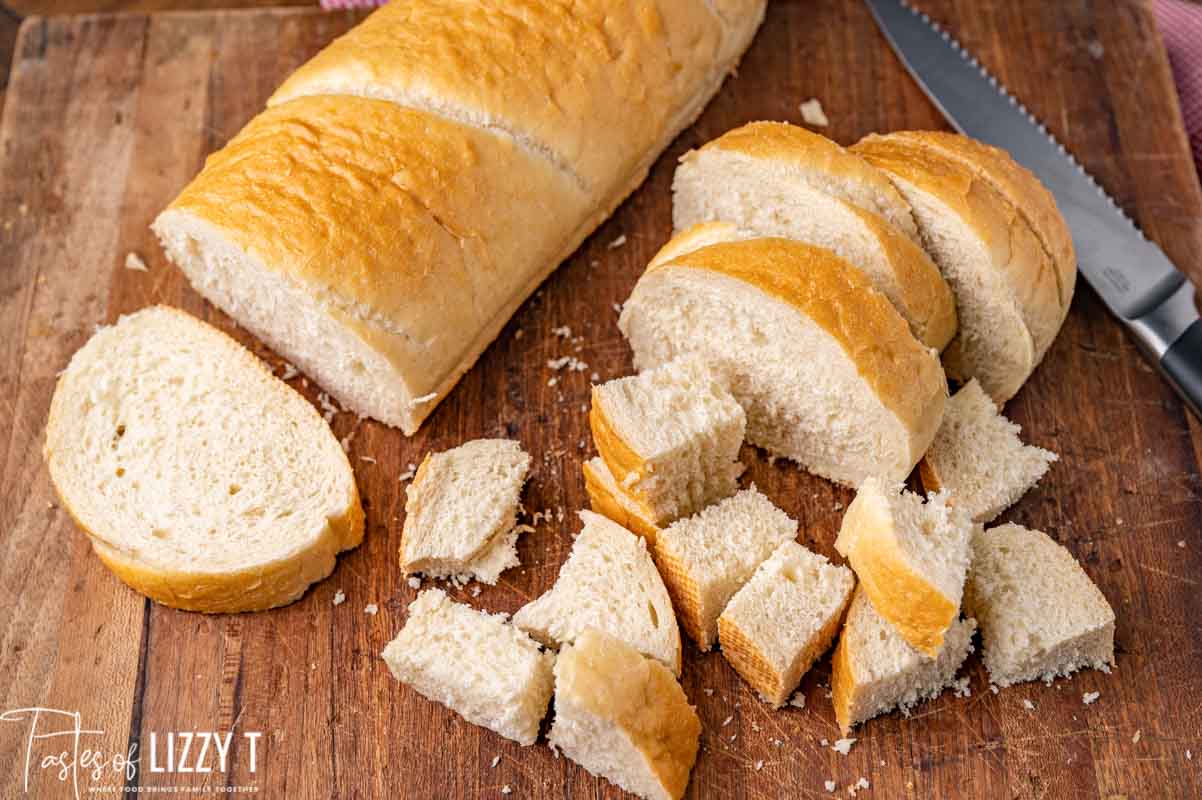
(1171, 334)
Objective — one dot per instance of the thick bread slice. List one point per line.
(608, 499)
(979, 459)
(768, 183)
(203, 481)
(461, 511)
(813, 160)
(476, 664)
(706, 558)
(624, 717)
(783, 619)
(593, 86)
(670, 437)
(1006, 286)
(911, 558)
(822, 363)
(874, 670)
(1041, 616)
(610, 583)
(377, 248)
(1016, 183)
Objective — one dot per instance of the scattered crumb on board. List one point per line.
(134, 261)
(616, 243)
(339, 597)
(371, 608)
(1090, 697)
(812, 113)
(843, 746)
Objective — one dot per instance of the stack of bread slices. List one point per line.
(813, 303)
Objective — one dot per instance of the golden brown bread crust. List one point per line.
(1016, 252)
(590, 85)
(622, 510)
(903, 374)
(815, 153)
(843, 676)
(619, 456)
(640, 696)
(684, 591)
(1018, 185)
(413, 226)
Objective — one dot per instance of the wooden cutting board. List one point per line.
(107, 117)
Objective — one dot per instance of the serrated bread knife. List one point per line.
(1131, 274)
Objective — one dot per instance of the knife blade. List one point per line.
(1132, 275)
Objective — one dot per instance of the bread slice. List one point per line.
(202, 481)
(1041, 616)
(978, 457)
(624, 717)
(706, 558)
(461, 511)
(874, 670)
(476, 664)
(783, 619)
(1006, 288)
(608, 499)
(1034, 203)
(769, 178)
(911, 558)
(825, 368)
(670, 437)
(609, 583)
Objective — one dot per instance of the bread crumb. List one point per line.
(843, 746)
(798, 700)
(371, 608)
(1027, 704)
(812, 113)
(408, 474)
(824, 742)
(1090, 697)
(759, 765)
(134, 261)
(1189, 756)
(572, 363)
(553, 381)
(495, 760)
(1181, 544)
(507, 789)
(755, 726)
(339, 597)
(475, 591)
(993, 688)
(830, 786)
(519, 333)
(345, 441)
(856, 787)
(1135, 739)
(727, 721)
(618, 308)
(616, 243)
(289, 372)
(414, 582)
(961, 688)
(1096, 49)
(708, 692)
(563, 332)
(368, 459)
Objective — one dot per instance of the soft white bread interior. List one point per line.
(911, 558)
(874, 670)
(610, 583)
(414, 183)
(608, 499)
(827, 371)
(670, 437)
(768, 178)
(624, 717)
(474, 663)
(1040, 614)
(461, 511)
(978, 457)
(706, 558)
(1007, 296)
(203, 481)
(783, 619)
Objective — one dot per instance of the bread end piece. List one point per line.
(783, 619)
(624, 717)
(911, 558)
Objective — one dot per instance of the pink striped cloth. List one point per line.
(1181, 26)
(1180, 23)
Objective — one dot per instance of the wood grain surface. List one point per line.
(108, 116)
